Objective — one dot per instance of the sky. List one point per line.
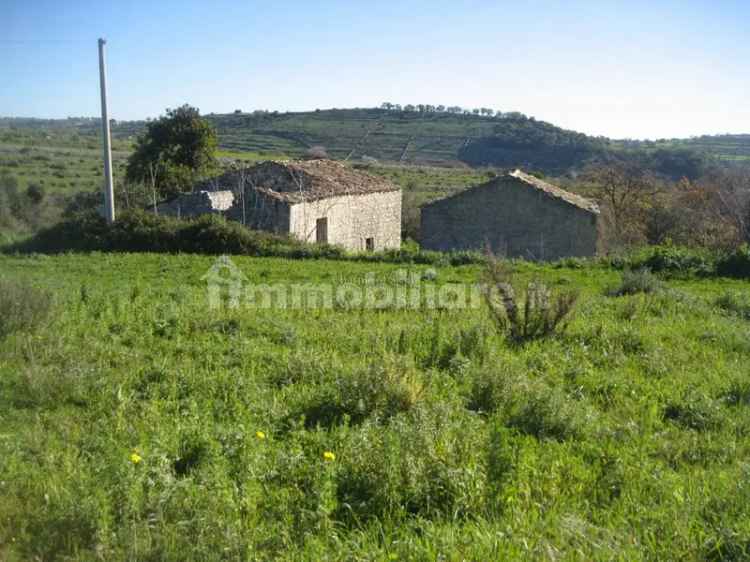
(623, 69)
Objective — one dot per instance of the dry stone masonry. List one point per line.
(516, 215)
(198, 203)
(313, 200)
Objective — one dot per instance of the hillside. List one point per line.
(434, 138)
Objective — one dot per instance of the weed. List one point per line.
(735, 303)
(22, 307)
(695, 412)
(540, 314)
(636, 281)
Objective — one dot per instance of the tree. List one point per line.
(626, 191)
(35, 193)
(181, 144)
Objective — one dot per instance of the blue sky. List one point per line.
(622, 69)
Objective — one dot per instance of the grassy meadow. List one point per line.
(62, 161)
(137, 423)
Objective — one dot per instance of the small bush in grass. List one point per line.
(541, 313)
(381, 391)
(634, 282)
(528, 406)
(22, 308)
(738, 393)
(735, 303)
(675, 260)
(695, 412)
(547, 414)
(736, 264)
(427, 466)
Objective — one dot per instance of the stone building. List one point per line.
(197, 203)
(516, 215)
(313, 200)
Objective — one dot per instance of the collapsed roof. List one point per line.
(301, 180)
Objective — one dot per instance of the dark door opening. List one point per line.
(370, 244)
(321, 230)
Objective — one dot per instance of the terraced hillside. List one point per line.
(354, 133)
(61, 160)
(731, 148)
(64, 155)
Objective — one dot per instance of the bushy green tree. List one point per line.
(35, 193)
(175, 151)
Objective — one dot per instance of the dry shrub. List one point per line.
(538, 314)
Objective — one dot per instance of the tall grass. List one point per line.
(22, 307)
(143, 425)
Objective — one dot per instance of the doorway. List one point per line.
(321, 230)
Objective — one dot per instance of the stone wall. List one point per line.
(352, 219)
(515, 219)
(261, 212)
(197, 203)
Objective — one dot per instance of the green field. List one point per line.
(61, 161)
(728, 148)
(139, 424)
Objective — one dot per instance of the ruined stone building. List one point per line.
(517, 215)
(197, 203)
(313, 200)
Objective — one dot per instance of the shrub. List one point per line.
(22, 308)
(379, 392)
(735, 303)
(638, 281)
(695, 412)
(541, 313)
(736, 264)
(35, 193)
(530, 407)
(141, 231)
(674, 260)
(424, 466)
(547, 414)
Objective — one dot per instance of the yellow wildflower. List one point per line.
(260, 435)
(329, 456)
(135, 458)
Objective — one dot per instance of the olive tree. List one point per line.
(180, 146)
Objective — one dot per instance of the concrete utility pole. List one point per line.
(109, 191)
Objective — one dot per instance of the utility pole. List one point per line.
(109, 191)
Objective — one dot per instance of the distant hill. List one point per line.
(410, 137)
(442, 139)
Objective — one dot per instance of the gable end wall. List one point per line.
(514, 219)
(351, 220)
